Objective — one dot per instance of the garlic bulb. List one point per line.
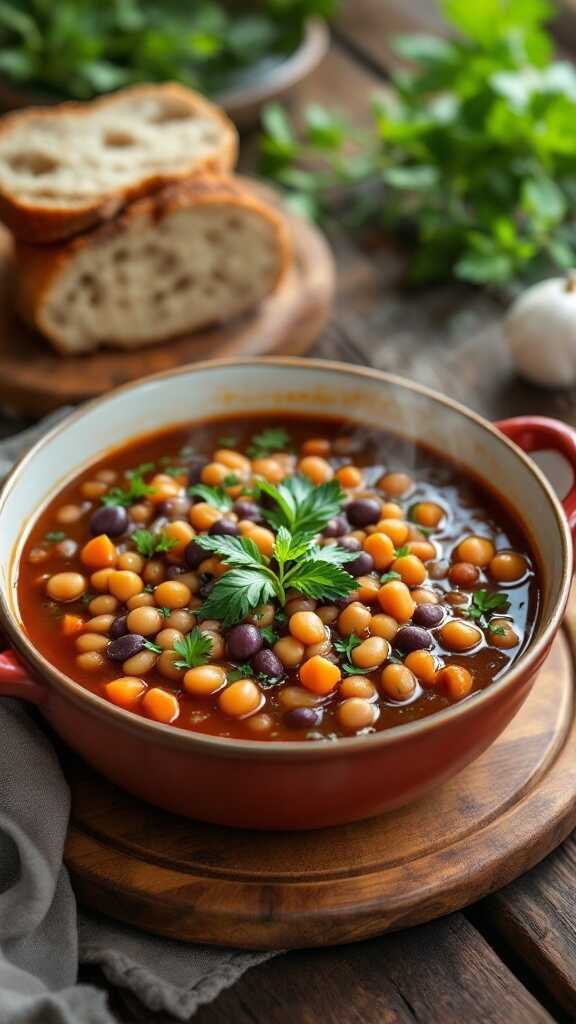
(541, 332)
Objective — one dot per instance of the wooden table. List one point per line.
(512, 958)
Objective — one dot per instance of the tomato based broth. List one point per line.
(161, 579)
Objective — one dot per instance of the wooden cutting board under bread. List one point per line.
(132, 247)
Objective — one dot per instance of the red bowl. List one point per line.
(288, 785)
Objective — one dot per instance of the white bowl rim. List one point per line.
(291, 749)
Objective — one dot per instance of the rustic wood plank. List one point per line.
(443, 973)
(536, 916)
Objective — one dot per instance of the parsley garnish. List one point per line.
(275, 439)
(194, 649)
(390, 576)
(402, 552)
(496, 630)
(231, 480)
(301, 506)
(226, 442)
(135, 491)
(54, 536)
(269, 635)
(150, 646)
(187, 451)
(165, 612)
(344, 648)
(215, 496)
(483, 603)
(175, 471)
(149, 544)
(141, 470)
(240, 672)
(250, 581)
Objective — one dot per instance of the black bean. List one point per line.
(174, 508)
(244, 642)
(110, 519)
(412, 638)
(248, 510)
(118, 627)
(266, 663)
(206, 587)
(174, 571)
(361, 565)
(302, 718)
(363, 511)
(197, 464)
(194, 554)
(336, 527)
(125, 647)
(428, 615)
(224, 528)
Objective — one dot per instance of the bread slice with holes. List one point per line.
(192, 255)
(63, 169)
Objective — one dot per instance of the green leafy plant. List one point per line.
(149, 544)
(54, 536)
(81, 48)
(484, 603)
(136, 490)
(472, 150)
(299, 505)
(215, 496)
(194, 649)
(274, 439)
(344, 648)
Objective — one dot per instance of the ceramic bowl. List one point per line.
(286, 785)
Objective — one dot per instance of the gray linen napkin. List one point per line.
(42, 935)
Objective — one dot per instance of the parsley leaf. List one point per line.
(244, 671)
(149, 544)
(274, 439)
(269, 635)
(496, 630)
(234, 551)
(484, 603)
(402, 552)
(54, 536)
(235, 594)
(344, 648)
(194, 649)
(136, 490)
(215, 496)
(228, 441)
(231, 480)
(150, 646)
(390, 576)
(301, 506)
(175, 470)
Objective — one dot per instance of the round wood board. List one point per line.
(35, 380)
(202, 883)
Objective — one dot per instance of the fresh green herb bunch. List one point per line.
(473, 149)
(81, 48)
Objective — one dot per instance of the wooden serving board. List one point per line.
(202, 883)
(35, 380)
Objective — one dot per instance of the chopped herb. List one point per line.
(141, 470)
(149, 588)
(269, 635)
(275, 439)
(54, 536)
(231, 480)
(227, 442)
(240, 672)
(215, 496)
(313, 571)
(165, 460)
(165, 612)
(301, 506)
(194, 649)
(496, 630)
(149, 544)
(136, 490)
(152, 647)
(187, 452)
(402, 552)
(344, 648)
(390, 576)
(175, 471)
(267, 682)
(484, 603)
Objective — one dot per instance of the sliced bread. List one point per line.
(194, 254)
(63, 169)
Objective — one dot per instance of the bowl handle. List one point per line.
(15, 681)
(552, 445)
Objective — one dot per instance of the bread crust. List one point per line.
(43, 225)
(38, 268)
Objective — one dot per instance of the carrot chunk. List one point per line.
(99, 553)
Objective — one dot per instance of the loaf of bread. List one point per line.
(64, 169)
(191, 255)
